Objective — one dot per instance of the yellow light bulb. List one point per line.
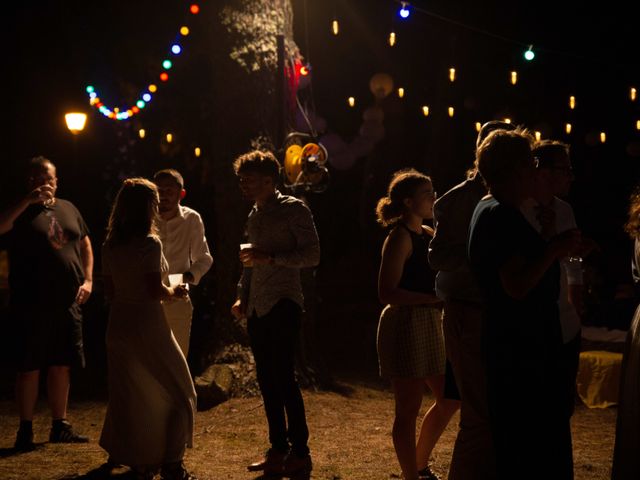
(197, 151)
(142, 133)
(478, 127)
(514, 77)
(507, 120)
(153, 88)
(637, 124)
(352, 101)
(567, 128)
(538, 136)
(572, 102)
(603, 137)
(392, 39)
(335, 28)
(425, 110)
(633, 93)
(169, 138)
(184, 31)
(451, 111)
(401, 92)
(452, 74)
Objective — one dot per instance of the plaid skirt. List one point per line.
(410, 342)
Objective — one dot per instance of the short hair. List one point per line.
(492, 126)
(548, 152)
(501, 154)
(261, 162)
(169, 173)
(38, 163)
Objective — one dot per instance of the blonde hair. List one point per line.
(403, 185)
(632, 227)
(134, 212)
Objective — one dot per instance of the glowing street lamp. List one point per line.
(75, 121)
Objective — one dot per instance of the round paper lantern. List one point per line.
(381, 85)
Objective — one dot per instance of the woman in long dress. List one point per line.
(150, 414)
(410, 338)
(626, 455)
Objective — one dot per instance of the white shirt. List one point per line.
(184, 244)
(570, 272)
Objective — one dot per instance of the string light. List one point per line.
(637, 124)
(392, 39)
(335, 28)
(478, 126)
(507, 120)
(425, 110)
(452, 74)
(195, 9)
(169, 137)
(400, 92)
(567, 128)
(538, 135)
(152, 88)
(175, 49)
(451, 111)
(142, 133)
(572, 102)
(164, 76)
(351, 101)
(514, 77)
(197, 152)
(184, 31)
(632, 94)
(603, 137)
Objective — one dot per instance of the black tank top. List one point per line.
(417, 276)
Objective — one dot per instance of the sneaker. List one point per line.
(271, 463)
(24, 441)
(62, 432)
(427, 474)
(175, 471)
(295, 465)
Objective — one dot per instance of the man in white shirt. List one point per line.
(184, 246)
(551, 216)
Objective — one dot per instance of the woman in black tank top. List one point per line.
(410, 339)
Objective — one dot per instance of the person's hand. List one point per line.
(84, 291)
(253, 256)
(180, 291)
(566, 243)
(239, 310)
(41, 194)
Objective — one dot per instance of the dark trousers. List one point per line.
(273, 339)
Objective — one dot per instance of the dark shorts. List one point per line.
(46, 335)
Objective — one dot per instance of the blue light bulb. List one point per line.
(176, 49)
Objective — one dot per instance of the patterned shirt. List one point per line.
(284, 228)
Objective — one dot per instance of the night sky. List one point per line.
(56, 48)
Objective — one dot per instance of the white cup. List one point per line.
(175, 279)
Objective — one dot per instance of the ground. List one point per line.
(350, 439)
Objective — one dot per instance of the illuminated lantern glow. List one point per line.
(169, 137)
(529, 54)
(392, 39)
(197, 152)
(176, 49)
(514, 77)
(452, 74)
(633, 93)
(195, 9)
(153, 88)
(404, 11)
(351, 101)
(167, 64)
(146, 97)
(335, 28)
(164, 76)
(75, 121)
(567, 128)
(400, 92)
(184, 31)
(603, 137)
(451, 111)
(572, 102)
(425, 110)
(142, 133)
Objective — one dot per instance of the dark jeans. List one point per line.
(273, 339)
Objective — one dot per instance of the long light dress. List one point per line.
(150, 414)
(626, 455)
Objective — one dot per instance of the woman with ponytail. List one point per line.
(410, 339)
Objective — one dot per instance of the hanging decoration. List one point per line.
(124, 113)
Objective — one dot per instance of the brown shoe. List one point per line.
(294, 465)
(271, 463)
